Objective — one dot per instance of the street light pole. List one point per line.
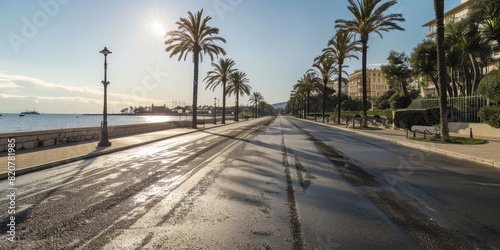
(104, 125)
(215, 110)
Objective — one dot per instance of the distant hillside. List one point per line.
(279, 105)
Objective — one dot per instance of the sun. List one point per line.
(157, 28)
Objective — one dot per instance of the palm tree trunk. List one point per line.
(340, 92)
(405, 92)
(307, 113)
(195, 89)
(324, 98)
(237, 110)
(448, 84)
(433, 79)
(365, 104)
(304, 110)
(224, 102)
(467, 79)
(443, 111)
(454, 82)
(475, 67)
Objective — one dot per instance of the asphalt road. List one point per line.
(276, 183)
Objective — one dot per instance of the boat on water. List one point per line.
(21, 115)
(32, 112)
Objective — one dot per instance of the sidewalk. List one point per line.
(34, 159)
(487, 153)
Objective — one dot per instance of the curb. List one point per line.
(486, 162)
(95, 154)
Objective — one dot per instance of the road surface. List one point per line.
(280, 183)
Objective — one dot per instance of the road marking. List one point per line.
(174, 194)
(296, 228)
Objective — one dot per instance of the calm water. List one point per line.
(14, 123)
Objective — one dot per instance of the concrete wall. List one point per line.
(478, 129)
(43, 138)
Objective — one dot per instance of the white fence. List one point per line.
(463, 109)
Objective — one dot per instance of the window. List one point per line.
(378, 79)
(378, 74)
(378, 93)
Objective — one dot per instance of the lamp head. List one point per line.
(105, 51)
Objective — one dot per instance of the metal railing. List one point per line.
(463, 109)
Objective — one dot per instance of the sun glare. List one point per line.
(158, 29)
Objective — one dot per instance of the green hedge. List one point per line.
(490, 115)
(407, 118)
(431, 116)
(379, 112)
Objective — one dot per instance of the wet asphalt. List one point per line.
(278, 183)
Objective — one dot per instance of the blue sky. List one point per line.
(50, 60)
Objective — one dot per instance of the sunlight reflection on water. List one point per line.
(15, 123)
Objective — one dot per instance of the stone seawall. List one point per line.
(43, 138)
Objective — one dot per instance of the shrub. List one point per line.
(489, 86)
(354, 105)
(398, 101)
(382, 101)
(406, 119)
(384, 104)
(431, 116)
(490, 115)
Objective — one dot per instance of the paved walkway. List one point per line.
(34, 159)
(487, 153)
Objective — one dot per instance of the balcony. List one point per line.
(432, 33)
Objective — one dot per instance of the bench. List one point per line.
(377, 120)
(354, 119)
(425, 130)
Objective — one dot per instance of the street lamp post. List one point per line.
(215, 110)
(104, 125)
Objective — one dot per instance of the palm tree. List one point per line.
(443, 104)
(237, 85)
(295, 100)
(369, 18)
(342, 46)
(220, 75)
(423, 61)
(326, 69)
(467, 37)
(255, 99)
(487, 13)
(398, 71)
(492, 29)
(454, 62)
(193, 35)
(307, 84)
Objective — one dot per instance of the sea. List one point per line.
(10, 122)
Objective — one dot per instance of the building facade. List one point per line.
(454, 15)
(376, 84)
(158, 109)
(334, 85)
